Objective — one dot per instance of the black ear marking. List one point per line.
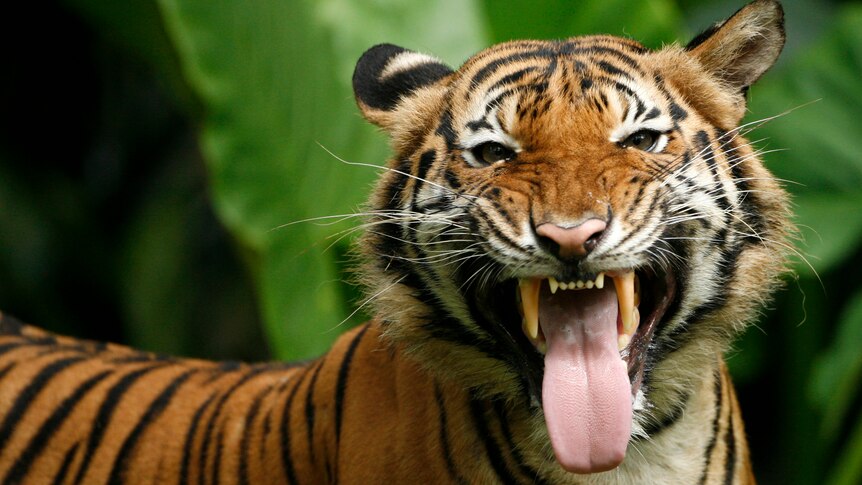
(701, 37)
(387, 73)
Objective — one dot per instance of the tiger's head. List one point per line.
(577, 226)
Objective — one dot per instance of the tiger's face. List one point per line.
(579, 226)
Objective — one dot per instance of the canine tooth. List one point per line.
(589, 284)
(600, 281)
(529, 289)
(623, 341)
(625, 286)
(554, 284)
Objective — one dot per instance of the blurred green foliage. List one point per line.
(155, 156)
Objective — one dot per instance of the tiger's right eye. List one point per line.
(492, 152)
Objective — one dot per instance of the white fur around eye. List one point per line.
(634, 122)
(494, 134)
(475, 141)
(660, 144)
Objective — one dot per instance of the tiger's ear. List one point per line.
(387, 77)
(739, 50)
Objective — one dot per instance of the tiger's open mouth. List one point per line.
(594, 337)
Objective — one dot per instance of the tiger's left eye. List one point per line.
(492, 152)
(645, 140)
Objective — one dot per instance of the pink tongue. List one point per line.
(586, 392)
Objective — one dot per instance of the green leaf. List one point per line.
(818, 153)
(274, 78)
(848, 470)
(837, 374)
(829, 228)
(651, 23)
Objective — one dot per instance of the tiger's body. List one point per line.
(523, 184)
(109, 414)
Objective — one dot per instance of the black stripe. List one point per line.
(641, 108)
(452, 179)
(730, 445)
(449, 329)
(523, 467)
(341, 383)
(155, 409)
(632, 64)
(678, 337)
(502, 237)
(654, 204)
(443, 425)
(611, 69)
(392, 190)
(103, 416)
(214, 471)
(512, 78)
(670, 418)
(286, 459)
(569, 49)
(444, 129)
(495, 457)
(712, 439)
(50, 426)
(504, 213)
(490, 68)
(139, 357)
(425, 161)
(244, 449)
(477, 125)
(209, 429)
(653, 113)
(38, 342)
(551, 68)
(748, 201)
(28, 396)
(625, 89)
(706, 154)
(267, 429)
(310, 410)
(190, 434)
(6, 370)
(63, 472)
(677, 113)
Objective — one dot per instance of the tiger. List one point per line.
(567, 238)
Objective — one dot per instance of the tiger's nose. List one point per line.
(573, 242)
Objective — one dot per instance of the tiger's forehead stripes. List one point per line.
(510, 53)
(551, 67)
